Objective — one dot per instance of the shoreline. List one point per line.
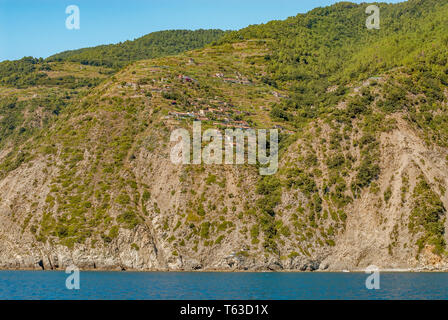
(358, 271)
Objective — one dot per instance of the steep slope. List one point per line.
(35, 91)
(108, 188)
(363, 153)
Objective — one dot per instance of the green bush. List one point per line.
(129, 219)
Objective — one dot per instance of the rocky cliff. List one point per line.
(362, 174)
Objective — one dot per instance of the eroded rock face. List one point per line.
(368, 239)
(150, 214)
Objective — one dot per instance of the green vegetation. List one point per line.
(332, 47)
(153, 45)
(427, 218)
(30, 71)
(331, 86)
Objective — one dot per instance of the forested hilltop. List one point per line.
(107, 58)
(85, 170)
(332, 46)
(153, 45)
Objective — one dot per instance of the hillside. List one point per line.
(362, 173)
(153, 45)
(34, 91)
(68, 69)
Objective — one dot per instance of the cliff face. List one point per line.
(375, 232)
(104, 193)
(86, 176)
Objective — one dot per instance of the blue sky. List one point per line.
(37, 27)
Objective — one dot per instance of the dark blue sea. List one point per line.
(50, 285)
